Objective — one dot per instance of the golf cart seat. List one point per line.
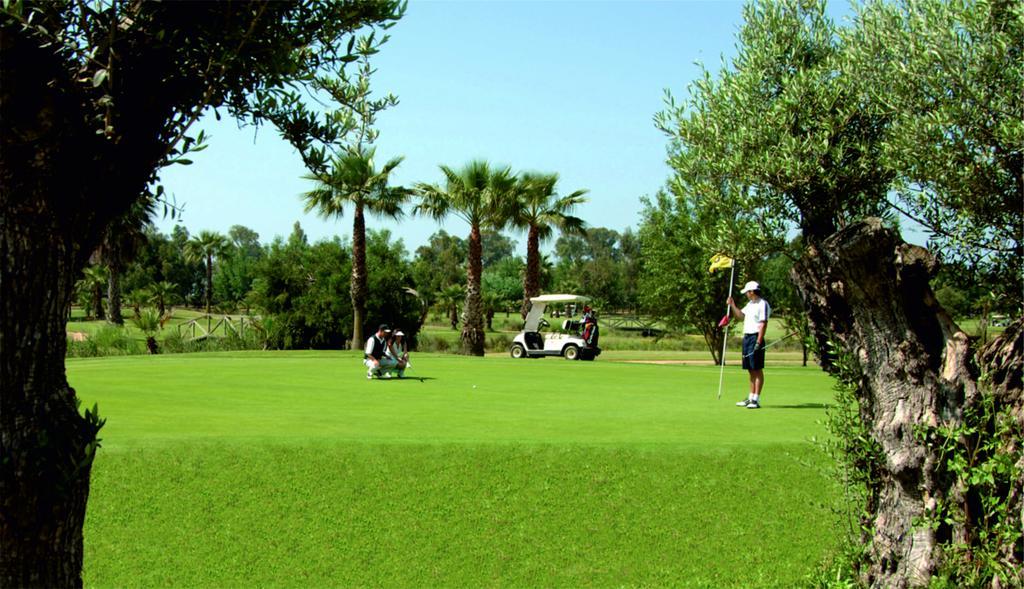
(534, 340)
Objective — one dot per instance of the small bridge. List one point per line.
(648, 326)
(206, 326)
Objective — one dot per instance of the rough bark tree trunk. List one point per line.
(358, 288)
(46, 444)
(97, 302)
(473, 324)
(867, 291)
(531, 284)
(114, 294)
(1003, 362)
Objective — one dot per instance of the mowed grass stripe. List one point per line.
(444, 515)
(325, 396)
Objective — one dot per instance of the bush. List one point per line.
(432, 343)
(498, 343)
(82, 349)
(110, 340)
(174, 343)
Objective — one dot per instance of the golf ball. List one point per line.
(474, 386)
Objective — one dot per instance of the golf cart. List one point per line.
(569, 342)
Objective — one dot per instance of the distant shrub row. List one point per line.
(118, 341)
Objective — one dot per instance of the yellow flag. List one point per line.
(720, 262)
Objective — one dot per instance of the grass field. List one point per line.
(292, 470)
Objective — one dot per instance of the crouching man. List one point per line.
(376, 360)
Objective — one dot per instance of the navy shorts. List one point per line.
(753, 356)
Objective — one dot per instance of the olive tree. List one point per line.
(786, 132)
(96, 98)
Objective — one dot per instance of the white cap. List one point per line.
(750, 286)
(399, 332)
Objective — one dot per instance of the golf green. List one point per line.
(292, 469)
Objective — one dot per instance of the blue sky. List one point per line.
(566, 87)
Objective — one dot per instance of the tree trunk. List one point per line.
(531, 283)
(46, 445)
(114, 294)
(424, 312)
(473, 321)
(713, 339)
(1003, 362)
(97, 302)
(209, 281)
(867, 291)
(358, 288)
(46, 235)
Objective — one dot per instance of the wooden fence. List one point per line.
(206, 326)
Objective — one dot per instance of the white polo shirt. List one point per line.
(755, 313)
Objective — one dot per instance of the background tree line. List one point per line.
(301, 288)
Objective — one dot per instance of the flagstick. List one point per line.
(725, 340)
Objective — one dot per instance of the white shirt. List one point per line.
(754, 314)
(396, 350)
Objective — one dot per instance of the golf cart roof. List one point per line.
(558, 298)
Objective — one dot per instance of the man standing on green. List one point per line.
(755, 322)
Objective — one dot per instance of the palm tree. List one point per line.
(354, 179)
(449, 299)
(540, 210)
(162, 294)
(492, 304)
(148, 321)
(481, 196)
(204, 248)
(122, 241)
(138, 298)
(94, 279)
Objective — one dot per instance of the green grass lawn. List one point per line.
(291, 469)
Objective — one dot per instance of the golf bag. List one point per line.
(591, 334)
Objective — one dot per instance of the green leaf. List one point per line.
(99, 77)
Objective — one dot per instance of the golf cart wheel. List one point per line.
(571, 352)
(517, 351)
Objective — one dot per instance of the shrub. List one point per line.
(110, 340)
(116, 341)
(498, 343)
(82, 349)
(174, 343)
(432, 343)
